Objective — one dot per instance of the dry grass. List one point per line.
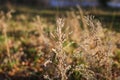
(74, 48)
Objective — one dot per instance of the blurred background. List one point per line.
(63, 3)
(107, 11)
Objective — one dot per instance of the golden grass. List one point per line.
(76, 47)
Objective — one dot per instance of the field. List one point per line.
(59, 44)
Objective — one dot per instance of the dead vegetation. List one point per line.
(74, 48)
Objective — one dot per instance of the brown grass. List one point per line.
(76, 47)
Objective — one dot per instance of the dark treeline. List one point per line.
(24, 2)
(41, 2)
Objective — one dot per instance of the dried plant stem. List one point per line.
(6, 41)
(61, 54)
(82, 18)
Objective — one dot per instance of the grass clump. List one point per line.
(74, 48)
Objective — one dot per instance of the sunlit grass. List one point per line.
(78, 46)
